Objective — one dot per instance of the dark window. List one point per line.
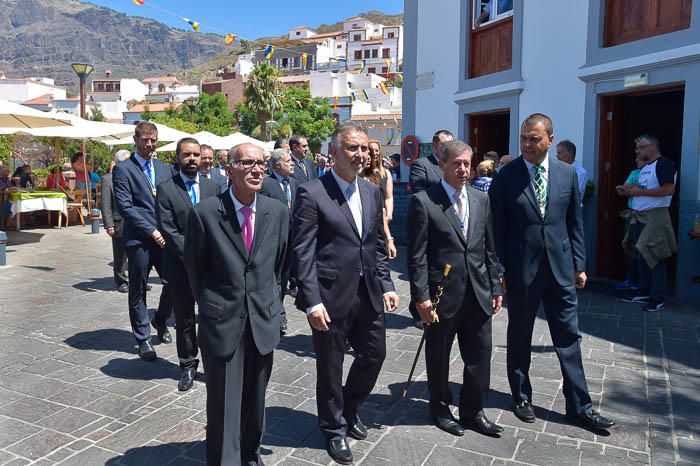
(366, 53)
(375, 53)
(298, 33)
(390, 35)
(358, 54)
(371, 70)
(285, 62)
(384, 70)
(489, 11)
(386, 53)
(357, 37)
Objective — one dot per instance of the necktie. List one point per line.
(149, 171)
(247, 228)
(461, 212)
(303, 168)
(540, 188)
(287, 192)
(193, 193)
(355, 206)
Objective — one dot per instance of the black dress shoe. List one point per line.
(524, 411)
(591, 420)
(163, 332)
(448, 423)
(482, 425)
(146, 351)
(339, 450)
(123, 288)
(187, 379)
(356, 429)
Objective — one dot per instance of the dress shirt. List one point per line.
(452, 194)
(186, 179)
(222, 170)
(142, 162)
(239, 215)
(354, 200)
(545, 174)
(281, 180)
(582, 178)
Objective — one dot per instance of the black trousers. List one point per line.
(365, 329)
(185, 322)
(472, 327)
(141, 259)
(236, 403)
(119, 255)
(559, 304)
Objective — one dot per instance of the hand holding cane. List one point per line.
(435, 302)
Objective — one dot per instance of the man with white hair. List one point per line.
(114, 224)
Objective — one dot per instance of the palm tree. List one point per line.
(262, 94)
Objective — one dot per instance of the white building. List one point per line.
(604, 78)
(345, 84)
(245, 64)
(20, 90)
(110, 88)
(379, 47)
(301, 32)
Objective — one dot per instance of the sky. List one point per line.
(251, 19)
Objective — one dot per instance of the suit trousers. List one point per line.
(472, 327)
(559, 304)
(185, 328)
(365, 329)
(651, 282)
(236, 403)
(141, 259)
(119, 255)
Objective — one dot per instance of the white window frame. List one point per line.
(476, 13)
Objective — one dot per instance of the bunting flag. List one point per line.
(269, 52)
(230, 38)
(364, 94)
(335, 101)
(139, 2)
(352, 97)
(364, 64)
(194, 24)
(304, 59)
(384, 89)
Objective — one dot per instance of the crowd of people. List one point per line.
(231, 233)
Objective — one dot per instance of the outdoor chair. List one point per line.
(75, 205)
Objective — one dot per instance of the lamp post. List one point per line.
(192, 103)
(83, 70)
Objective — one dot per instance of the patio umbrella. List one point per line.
(240, 138)
(165, 133)
(19, 117)
(203, 137)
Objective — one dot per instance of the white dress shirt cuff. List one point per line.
(312, 309)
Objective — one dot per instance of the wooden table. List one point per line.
(31, 201)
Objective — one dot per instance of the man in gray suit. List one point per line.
(539, 241)
(207, 169)
(114, 225)
(234, 250)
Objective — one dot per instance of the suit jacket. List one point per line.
(425, 172)
(329, 253)
(110, 214)
(299, 174)
(523, 236)
(271, 188)
(435, 239)
(135, 201)
(173, 206)
(218, 179)
(230, 284)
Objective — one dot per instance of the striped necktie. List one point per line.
(540, 188)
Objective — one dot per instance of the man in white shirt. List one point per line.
(566, 152)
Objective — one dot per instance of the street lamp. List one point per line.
(192, 103)
(83, 70)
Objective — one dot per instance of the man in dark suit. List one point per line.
(174, 202)
(303, 167)
(539, 241)
(234, 250)
(425, 172)
(135, 182)
(207, 169)
(114, 225)
(344, 284)
(281, 186)
(451, 224)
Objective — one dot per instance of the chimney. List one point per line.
(108, 73)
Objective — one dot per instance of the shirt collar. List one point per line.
(140, 159)
(238, 204)
(544, 164)
(451, 191)
(187, 179)
(342, 183)
(277, 175)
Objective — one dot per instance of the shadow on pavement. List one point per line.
(97, 284)
(108, 339)
(175, 454)
(15, 238)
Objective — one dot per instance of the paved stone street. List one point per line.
(73, 391)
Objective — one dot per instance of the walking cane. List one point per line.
(435, 302)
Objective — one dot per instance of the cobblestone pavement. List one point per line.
(73, 391)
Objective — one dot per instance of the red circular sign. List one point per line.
(409, 149)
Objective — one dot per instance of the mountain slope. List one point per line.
(43, 37)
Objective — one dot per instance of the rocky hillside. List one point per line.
(43, 37)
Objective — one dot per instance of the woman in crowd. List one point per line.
(376, 173)
(55, 174)
(485, 174)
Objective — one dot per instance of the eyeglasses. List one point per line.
(249, 163)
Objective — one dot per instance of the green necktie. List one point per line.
(540, 188)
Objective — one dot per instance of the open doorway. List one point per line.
(624, 117)
(489, 132)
